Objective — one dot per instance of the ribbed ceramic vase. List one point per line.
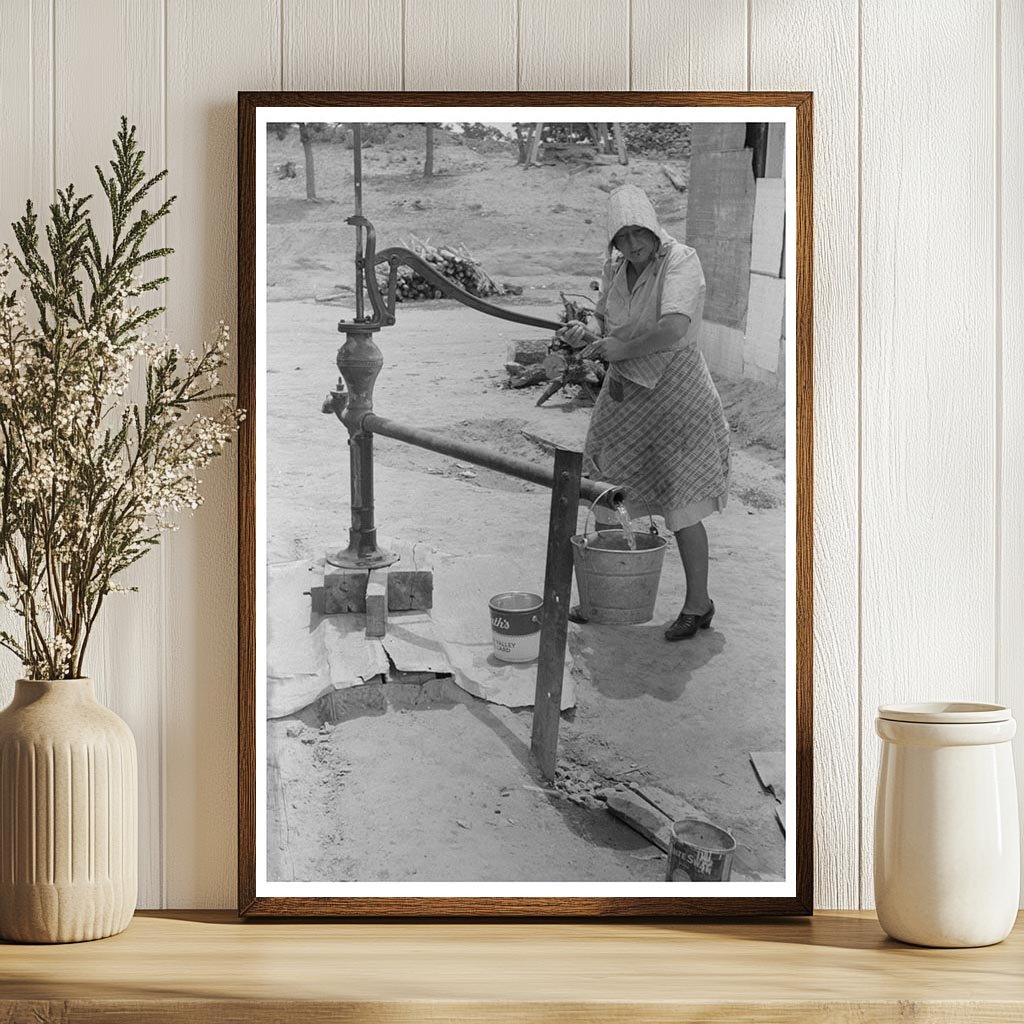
(947, 846)
(68, 815)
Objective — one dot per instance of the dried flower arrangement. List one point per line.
(89, 477)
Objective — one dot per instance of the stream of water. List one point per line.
(627, 526)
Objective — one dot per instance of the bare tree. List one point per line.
(428, 164)
(520, 141)
(306, 138)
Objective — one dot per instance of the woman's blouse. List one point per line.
(673, 282)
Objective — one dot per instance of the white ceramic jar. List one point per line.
(947, 846)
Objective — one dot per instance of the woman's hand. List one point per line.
(608, 348)
(574, 334)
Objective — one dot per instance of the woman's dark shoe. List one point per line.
(576, 615)
(686, 625)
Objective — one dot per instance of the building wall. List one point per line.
(919, 305)
(737, 224)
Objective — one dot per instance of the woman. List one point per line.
(658, 428)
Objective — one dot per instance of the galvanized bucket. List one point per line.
(618, 585)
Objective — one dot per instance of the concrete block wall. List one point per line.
(736, 222)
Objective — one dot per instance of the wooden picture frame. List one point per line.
(258, 897)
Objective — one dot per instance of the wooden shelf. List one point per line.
(210, 967)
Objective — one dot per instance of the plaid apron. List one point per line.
(668, 444)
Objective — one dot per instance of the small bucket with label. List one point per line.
(515, 625)
(699, 852)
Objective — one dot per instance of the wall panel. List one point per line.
(693, 44)
(127, 665)
(831, 73)
(213, 51)
(26, 107)
(26, 119)
(468, 45)
(928, 514)
(341, 44)
(919, 351)
(1009, 228)
(574, 44)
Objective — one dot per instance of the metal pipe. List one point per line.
(591, 490)
(362, 549)
(395, 254)
(359, 361)
(357, 175)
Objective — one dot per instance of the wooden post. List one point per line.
(547, 706)
(377, 602)
(534, 147)
(620, 143)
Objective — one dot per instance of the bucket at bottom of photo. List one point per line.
(947, 844)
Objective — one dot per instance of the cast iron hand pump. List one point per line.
(359, 362)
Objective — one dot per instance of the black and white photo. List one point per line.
(524, 461)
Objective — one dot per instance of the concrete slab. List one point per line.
(352, 657)
(767, 310)
(309, 655)
(413, 644)
(723, 349)
(769, 228)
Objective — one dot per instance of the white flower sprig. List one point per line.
(89, 478)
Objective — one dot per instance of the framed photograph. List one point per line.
(525, 499)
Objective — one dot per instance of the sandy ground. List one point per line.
(426, 782)
(539, 229)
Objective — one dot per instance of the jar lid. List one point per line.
(945, 713)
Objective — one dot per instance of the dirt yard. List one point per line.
(427, 783)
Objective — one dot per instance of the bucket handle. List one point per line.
(586, 522)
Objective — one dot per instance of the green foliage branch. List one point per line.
(91, 472)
